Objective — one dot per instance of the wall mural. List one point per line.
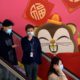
(56, 37)
(40, 13)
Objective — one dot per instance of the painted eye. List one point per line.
(44, 41)
(63, 40)
(60, 33)
(44, 37)
(63, 37)
(44, 44)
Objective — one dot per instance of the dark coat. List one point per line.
(6, 51)
(26, 59)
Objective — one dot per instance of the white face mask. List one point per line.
(61, 67)
(30, 33)
(9, 31)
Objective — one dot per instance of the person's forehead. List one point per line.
(30, 29)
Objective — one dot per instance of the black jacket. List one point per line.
(26, 59)
(6, 51)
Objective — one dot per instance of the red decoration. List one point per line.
(38, 11)
(72, 5)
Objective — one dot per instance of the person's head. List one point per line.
(56, 64)
(29, 30)
(7, 26)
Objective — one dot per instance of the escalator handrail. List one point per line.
(12, 69)
(72, 74)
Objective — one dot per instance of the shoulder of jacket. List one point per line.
(24, 38)
(36, 38)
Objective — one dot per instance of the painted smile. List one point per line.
(53, 48)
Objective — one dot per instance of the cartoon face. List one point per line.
(55, 39)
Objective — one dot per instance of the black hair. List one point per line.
(28, 26)
(7, 23)
(55, 60)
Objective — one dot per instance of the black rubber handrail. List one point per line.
(12, 69)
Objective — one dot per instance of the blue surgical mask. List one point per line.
(61, 67)
(30, 33)
(9, 31)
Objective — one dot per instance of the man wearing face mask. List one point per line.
(7, 46)
(31, 53)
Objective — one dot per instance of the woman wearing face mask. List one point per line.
(55, 71)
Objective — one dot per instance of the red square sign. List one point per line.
(38, 11)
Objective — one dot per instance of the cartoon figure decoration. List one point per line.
(56, 37)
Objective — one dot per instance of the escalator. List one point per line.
(10, 71)
(19, 73)
(46, 59)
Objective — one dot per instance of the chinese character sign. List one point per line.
(38, 11)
